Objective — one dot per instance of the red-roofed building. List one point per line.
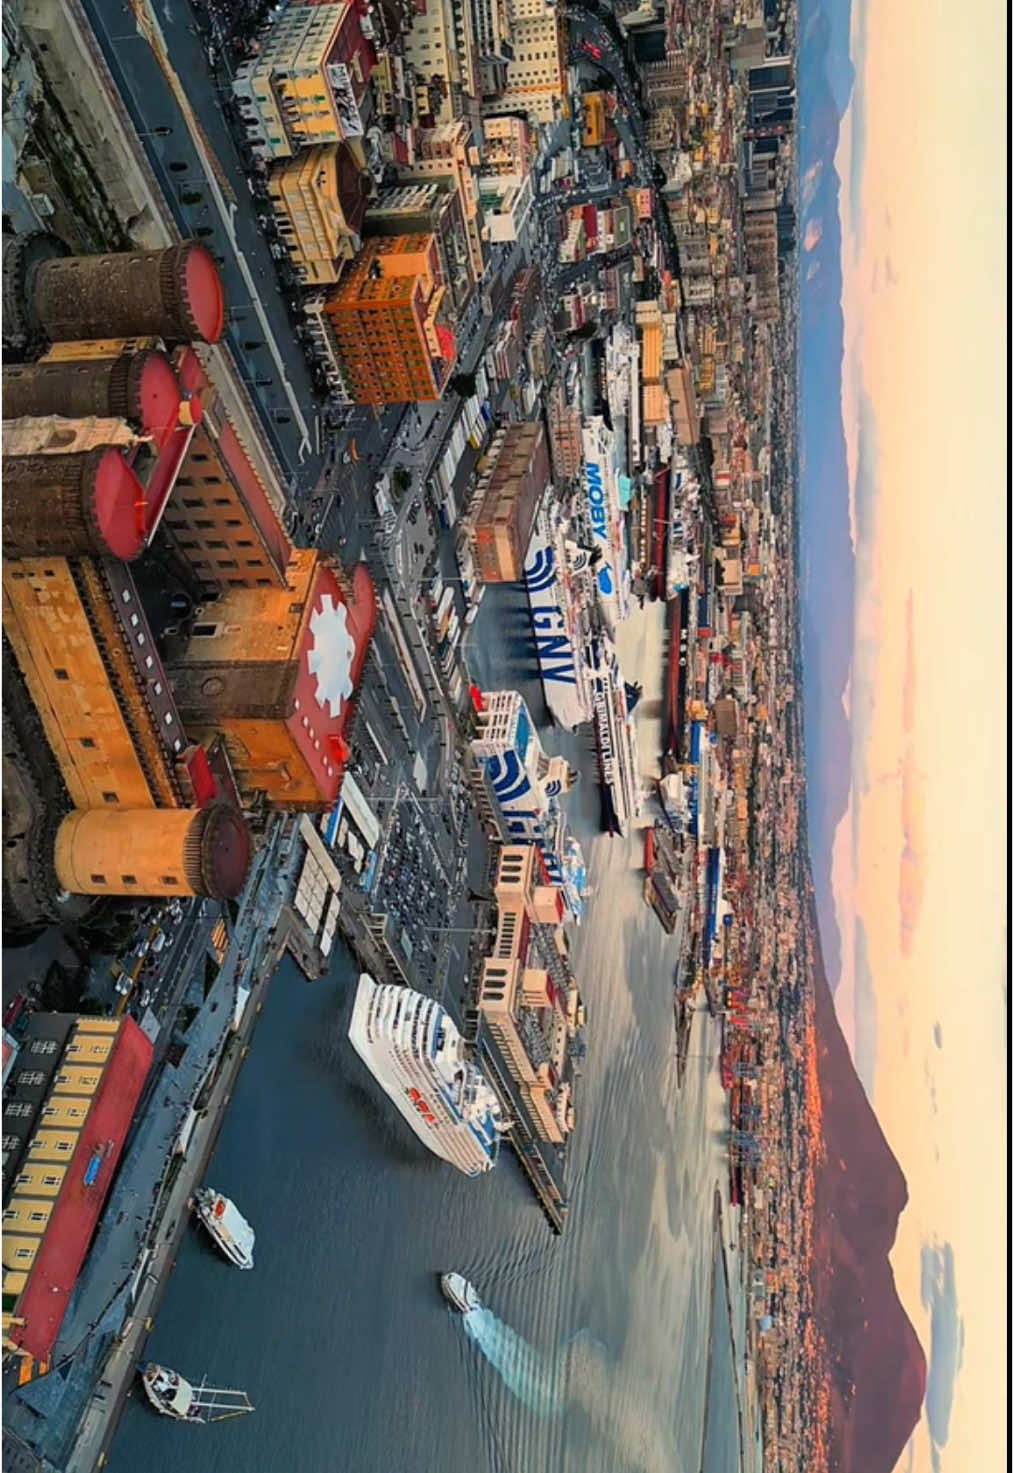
(65, 1175)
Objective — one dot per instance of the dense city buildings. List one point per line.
(460, 326)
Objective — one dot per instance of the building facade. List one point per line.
(76, 1085)
(528, 999)
(319, 199)
(506, 500)
(390, 322)
(307, 84)
(536, 75)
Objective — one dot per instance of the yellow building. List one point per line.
(319, 198)
(536, 81)
(306, 84)
(66, 1115)
(441, 44)
(447, 152)
(593, 107)
(508, 146)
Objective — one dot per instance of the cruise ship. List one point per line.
(412, 1048)
(615, 738)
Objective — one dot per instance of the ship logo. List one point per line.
(331, 655)
(540, 572)
(509, 778)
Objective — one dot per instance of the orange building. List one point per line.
(390, 323)
(275, 671)
(130, 786)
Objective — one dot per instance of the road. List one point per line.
(176, 109)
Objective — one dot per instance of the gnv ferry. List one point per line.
(413, 1050)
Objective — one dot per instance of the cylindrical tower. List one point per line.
(153, 851)
(72, 506)
(22, 256)
(175, 294)
(139, 387)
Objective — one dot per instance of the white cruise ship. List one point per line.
(615, 738)
(412, 1048)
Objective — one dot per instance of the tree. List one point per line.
(400, 480)
(586, 330)
(464, 384)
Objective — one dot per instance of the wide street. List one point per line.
(176, 108)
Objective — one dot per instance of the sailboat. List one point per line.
(174, 1396)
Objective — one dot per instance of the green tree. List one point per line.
(464, 384)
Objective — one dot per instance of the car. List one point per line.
(590, 49)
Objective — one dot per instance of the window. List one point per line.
(51, 1181)
(61, 675)
(37, 1217)
(110, 798)
(129, 879)
(43, 1046)
(31, 1076)
(87, 742)
(98, 879)
(23, 1253)
(11, 1143)
(18, 1110)
(170, 880)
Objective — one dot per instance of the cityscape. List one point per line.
(408, 894)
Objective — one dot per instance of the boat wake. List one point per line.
(579, 1378)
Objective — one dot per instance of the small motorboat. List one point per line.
(459, 1293)
(227, 1226)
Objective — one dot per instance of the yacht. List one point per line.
(226, 1225)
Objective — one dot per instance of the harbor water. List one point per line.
(605, 1348)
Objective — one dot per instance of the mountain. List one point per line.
(827, 588)
(878, 1365)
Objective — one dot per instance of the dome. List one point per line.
(115, 495)
(353, 186)
(201, 290)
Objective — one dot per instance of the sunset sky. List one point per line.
(919, 868)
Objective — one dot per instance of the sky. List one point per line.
(919, 874)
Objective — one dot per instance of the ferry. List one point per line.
(414, 1051)
(558, 583)
(174, 1396)
(460, 1293)
(615, 738)
(227, 1227)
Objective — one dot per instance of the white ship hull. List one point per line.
(230, 1231)
(397, 1033)
(615, 738)
(556, 624)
